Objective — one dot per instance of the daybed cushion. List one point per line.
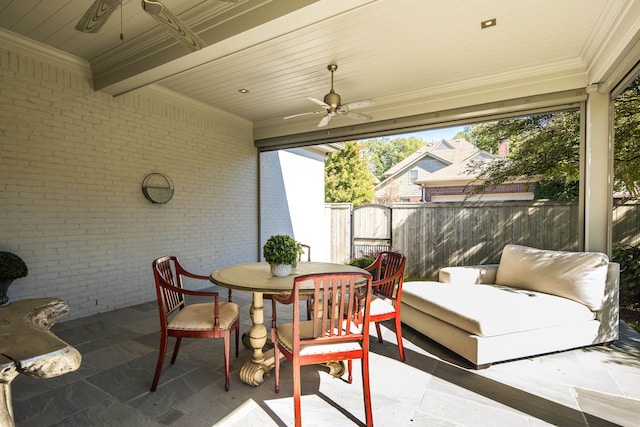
(579, 276)
(490, 310)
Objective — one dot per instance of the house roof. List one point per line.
(454, 154)
(451, 151)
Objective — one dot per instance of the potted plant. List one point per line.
(12, 267)
(281, 252)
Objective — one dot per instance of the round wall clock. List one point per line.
(157, 188)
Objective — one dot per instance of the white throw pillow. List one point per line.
(580, 276)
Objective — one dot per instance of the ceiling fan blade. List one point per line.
(359, 104)
(96, 16)
(358, 116)
(320, 103)
(179, 30)
(325, 120)
(304, 114)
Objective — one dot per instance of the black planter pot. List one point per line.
(4, 287)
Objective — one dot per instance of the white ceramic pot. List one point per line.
(280, 270)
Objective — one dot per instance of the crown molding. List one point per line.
(544, 73)
(615, 48)
(175, 99)
(21, 45)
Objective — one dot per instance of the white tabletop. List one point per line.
(256, 277)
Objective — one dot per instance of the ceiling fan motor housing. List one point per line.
(332, 99)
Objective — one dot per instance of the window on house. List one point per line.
(413, 176)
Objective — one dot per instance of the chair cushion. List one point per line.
(490, 310)
(380, 306)
(199, 317)
(285, 337)
(580, 276)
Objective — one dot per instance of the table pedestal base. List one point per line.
(252, 373)
(257, 339)
(336, 369)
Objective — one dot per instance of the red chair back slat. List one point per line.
(340, 314)
(388, 273)
(165, 271)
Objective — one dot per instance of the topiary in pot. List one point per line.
(12, 267)
(281, 250)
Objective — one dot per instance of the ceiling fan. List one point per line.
(331, 105)
(100, 11)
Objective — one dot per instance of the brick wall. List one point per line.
(292, 198)
(72, 164)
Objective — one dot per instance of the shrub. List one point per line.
(12, 266)
(629, 259)
(361, 262)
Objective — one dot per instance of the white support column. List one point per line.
(598, 172)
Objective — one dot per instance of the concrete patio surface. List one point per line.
(593, 386)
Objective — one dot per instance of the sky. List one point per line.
(434, 134)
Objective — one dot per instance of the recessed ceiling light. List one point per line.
(243, 90)
(488, 23)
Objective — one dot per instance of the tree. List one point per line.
(627, 140)
(548, 144)
(544, 144)
(465, 133)
(347, 177)
(384, 153)
(391, 193)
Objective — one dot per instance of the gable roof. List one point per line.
(457, 170)
(454, 154)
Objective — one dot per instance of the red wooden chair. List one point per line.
(339, 331)
(305, 255)
(388, 274)
(181, 320)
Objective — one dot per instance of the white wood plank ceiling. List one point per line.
(408, 56)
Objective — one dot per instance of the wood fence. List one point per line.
(435, 235)
(338, 216)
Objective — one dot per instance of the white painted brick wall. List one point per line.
(292, 199)
(72, 164)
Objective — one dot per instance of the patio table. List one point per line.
(256, 278)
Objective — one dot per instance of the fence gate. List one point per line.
(371, 230)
